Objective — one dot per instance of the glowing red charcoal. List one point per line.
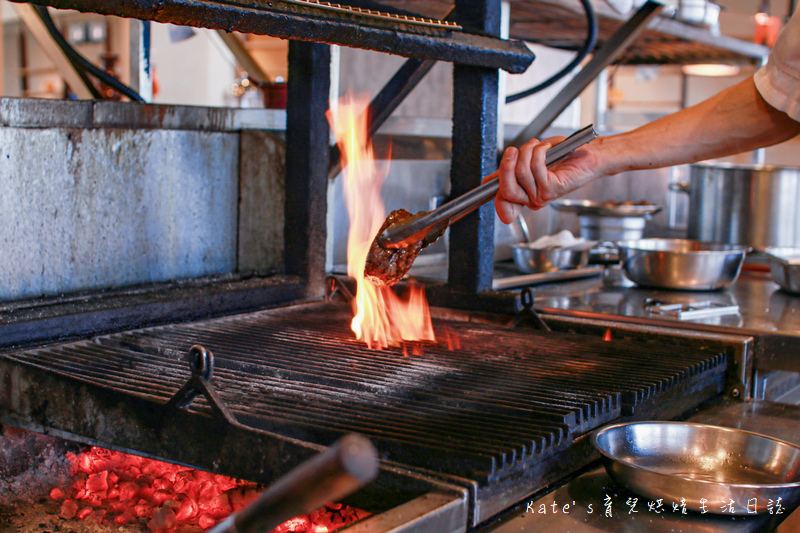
(147, 495)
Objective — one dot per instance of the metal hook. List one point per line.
(526, 298)
(528, 313)
(201, 361)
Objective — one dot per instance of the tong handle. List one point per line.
(437, 220)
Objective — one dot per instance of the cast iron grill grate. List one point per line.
(502, 400)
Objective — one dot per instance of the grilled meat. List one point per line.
(385, 267)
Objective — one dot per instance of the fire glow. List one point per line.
(114, 488)
(381, 317)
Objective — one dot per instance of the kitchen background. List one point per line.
(56, 243)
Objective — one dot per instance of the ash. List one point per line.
(31, 464)
(42, 517)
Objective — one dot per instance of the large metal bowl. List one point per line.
(681, 263)
(533, 260)
(709, 468)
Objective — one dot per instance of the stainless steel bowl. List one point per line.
(784, 267)
(532, 260)
(707, 467)
(681, 263)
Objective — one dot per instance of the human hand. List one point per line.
(525, 180)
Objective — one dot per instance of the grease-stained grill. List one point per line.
(486, 404)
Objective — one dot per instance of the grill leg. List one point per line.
(474, 154)
(307, 149)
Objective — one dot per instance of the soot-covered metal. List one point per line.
(316, 22)
(500, 410)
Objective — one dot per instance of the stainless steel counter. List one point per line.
(762, 307)
(593, 503)
(761, 310)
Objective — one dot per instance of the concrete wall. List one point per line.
(89, 203)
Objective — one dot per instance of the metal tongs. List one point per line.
(427, 226)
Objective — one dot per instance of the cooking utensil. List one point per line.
(329, 476)
(681, 263)
(752, 205)
(607, 222)
(705, 466)
(603, 209)
(532, 260)
(430, 225)
(784, 267)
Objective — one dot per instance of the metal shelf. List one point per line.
(323, 22)
(562, 24)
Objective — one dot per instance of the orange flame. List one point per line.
(381, 318)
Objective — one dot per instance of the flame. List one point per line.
(381, 317)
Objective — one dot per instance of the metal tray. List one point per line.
(589, 207)
(709, 469)
(784, 267)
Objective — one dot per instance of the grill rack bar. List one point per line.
(515, 397)
(306, 22)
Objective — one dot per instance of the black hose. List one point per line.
(83, 65)
(588, 46)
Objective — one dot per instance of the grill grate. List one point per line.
(503, 400)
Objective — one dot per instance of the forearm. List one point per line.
(734, 121)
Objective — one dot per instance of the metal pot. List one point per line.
(604, 228)
(604, 222)
(751, 205)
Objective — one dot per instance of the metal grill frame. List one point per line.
(39, 399)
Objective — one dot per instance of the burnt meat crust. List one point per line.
(385, 267)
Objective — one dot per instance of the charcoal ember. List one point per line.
(385, 267)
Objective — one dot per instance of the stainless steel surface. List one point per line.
(431, 225)
(531, 260)
(608, 221)
(691, 311)
(768, 315)
(595, 488)
(699, 464)
(608, 209)
(681, 263)
(528, 280)
(784, 266)
(763, 307)
(431, 513)
(593, 503)
(603, 228)
(745, 204)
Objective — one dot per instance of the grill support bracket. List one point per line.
(201, 362)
